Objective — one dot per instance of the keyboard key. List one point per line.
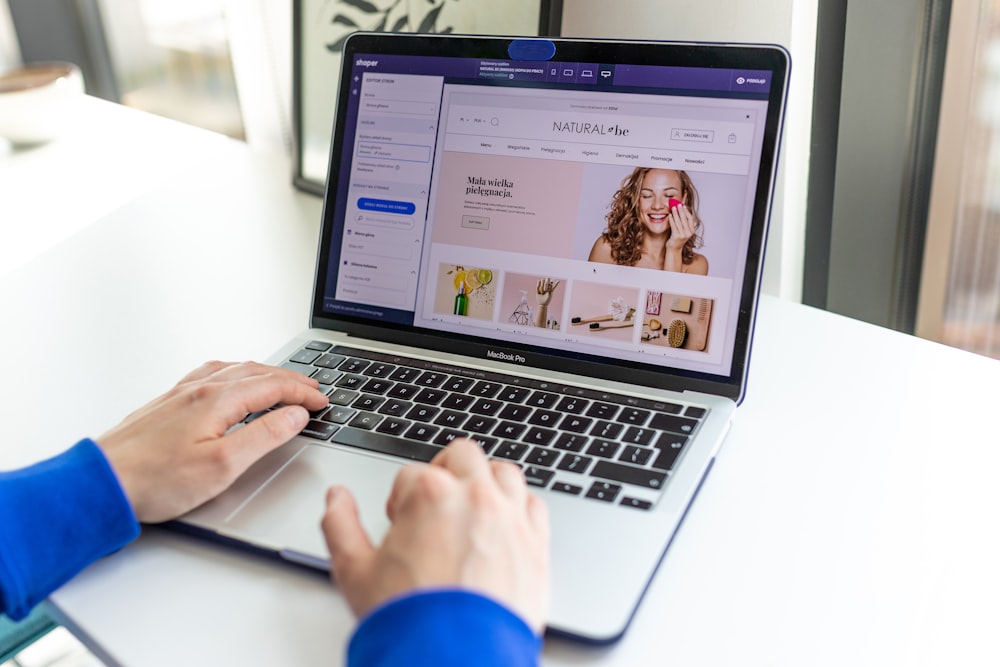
(575, 463)
(451, 419)
(543, 456)
(351, 381)
(602, 410)
(422, 432)
(423, 413)
(380, 370)
(338, 415)
(636, 503)
(509, 430)
(458, 401)
(368, 402)
(603, 448)
(694, 412)
(511, 450)
(669, 446)
(377, 386)
(430, 396)
(479, 424)
(458, 383)
(403, 391)
(515, 413)
(327, 376)
(485, 389)
(637, 455)
(366, 420)
(540, 436)
(393, 426)
(513, 394)
(395, 407)
(571, 442)
(430, 379)
(536, 476)
(319, 430)
(650, 479)
(608, 430)
(445, 437)
(486, 406)
(305, 356)
(564, 487)
(572, 404)
(575, 424)
(633, 416)
(604, 491)
(330, 360)
(318, 345)
(673, 423)
(354, 365)
(404, 374)
(386, 444)
(343, 396)
(638, 436)
(542, 399)
(544, 418)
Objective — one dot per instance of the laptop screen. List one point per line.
(603, 210)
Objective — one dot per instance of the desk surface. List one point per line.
(850, 517)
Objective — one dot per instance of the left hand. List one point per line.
(175, 453)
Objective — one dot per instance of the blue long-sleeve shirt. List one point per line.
(60, 515)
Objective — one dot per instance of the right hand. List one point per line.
(461, 520)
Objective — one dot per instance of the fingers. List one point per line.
(261, 436)
(463, 458)
(510, 479)
(350, 548)
(222, 371)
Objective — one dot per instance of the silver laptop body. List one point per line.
(471, 180)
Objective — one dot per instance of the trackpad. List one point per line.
(285, 514)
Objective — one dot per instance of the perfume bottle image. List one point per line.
(461, 301)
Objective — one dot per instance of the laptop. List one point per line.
(496, 262)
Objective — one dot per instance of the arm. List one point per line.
(467, 551)
(57, 517)
(170, 456)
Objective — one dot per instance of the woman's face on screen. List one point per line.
(659, 186)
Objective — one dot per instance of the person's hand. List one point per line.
(174, 454)
(683, 226)
(543, 295)
(461, 520)
(544, 290)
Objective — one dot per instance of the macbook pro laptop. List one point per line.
(496, 262)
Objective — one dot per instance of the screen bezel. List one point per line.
(728, 56)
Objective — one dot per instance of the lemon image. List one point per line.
(484, 276)
(460, 277)
(471, 279)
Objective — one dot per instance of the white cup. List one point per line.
(39, 101)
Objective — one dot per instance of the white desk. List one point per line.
(851, 518)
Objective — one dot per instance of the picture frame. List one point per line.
(321, 26)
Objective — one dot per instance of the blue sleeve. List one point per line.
(443, 627)
(57, 517)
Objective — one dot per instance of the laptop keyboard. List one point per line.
(597, 445)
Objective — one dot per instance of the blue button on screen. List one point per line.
(386, 206)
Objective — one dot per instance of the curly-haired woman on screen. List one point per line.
(647, 229)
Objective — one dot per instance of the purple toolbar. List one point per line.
(637, 76)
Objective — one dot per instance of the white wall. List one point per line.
(767, 21)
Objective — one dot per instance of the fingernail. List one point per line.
(297, 416)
